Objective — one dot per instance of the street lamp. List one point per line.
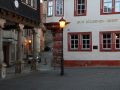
(29, 41)
(62, 23)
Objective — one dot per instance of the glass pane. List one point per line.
(117, 41)
(72, 36)
(117, 7)
(84, 42)
(104, 41)
(83, 7)
(107, 0)
(79, 12)
(78, 7)
(76, 46)
(117, 45)
(108, 35)
(79, 1)
(72, 46)
(109, 45)
(59, 7)
(50, 8)
(104, 45)
(72, 42)
(104, 35)
(83, 11)
(107, 6)
(76, 36)
(109, 41)
(76, 41)
(88, 46)
(88, 41)
(117, 35)
(83, 46)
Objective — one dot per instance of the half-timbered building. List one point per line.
(16, 18)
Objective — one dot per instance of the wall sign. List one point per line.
(95, 47)
(90, 21)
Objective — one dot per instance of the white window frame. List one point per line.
(117, 38)
(85, 40)
(109, 6)
(79, 7)
(117, 5)
(50, 8)
(74, 40)
(59, 7)
(107, 41)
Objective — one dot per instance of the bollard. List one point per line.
(3, 70)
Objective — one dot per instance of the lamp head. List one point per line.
(29, 41)
(62, 22)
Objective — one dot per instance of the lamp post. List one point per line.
(62, 23)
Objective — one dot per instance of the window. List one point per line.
(80, 7)
(50, 8)
(31, 3)
(117, 41)
(109, 41)
(110, 6)
(24, 1)
(107, 6)
(80, 41)
(85, 41)
(58, 7)
(74, 42)
(117, 5)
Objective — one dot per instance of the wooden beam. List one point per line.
(16, 18)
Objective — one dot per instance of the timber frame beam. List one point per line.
(13, 17)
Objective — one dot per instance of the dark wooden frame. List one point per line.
(23, 14)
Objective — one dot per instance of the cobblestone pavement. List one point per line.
(74, 79)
